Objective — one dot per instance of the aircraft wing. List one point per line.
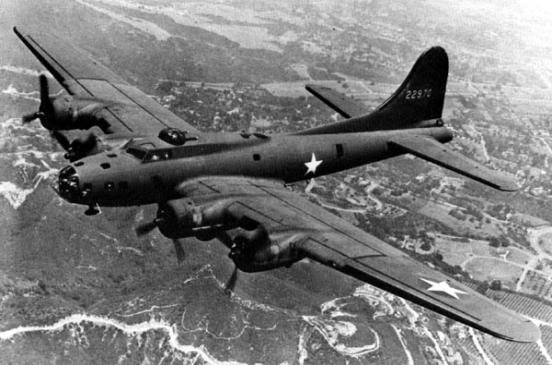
(346, 106)
(334, 242)
(440, 154)
(131, 113)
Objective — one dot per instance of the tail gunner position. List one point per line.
(129, 150)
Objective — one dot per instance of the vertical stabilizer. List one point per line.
(422, 94)
(418, 99)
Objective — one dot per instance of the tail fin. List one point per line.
(422, 94)
(419, 98)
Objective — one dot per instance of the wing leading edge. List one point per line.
(346, 106)
(336, 243)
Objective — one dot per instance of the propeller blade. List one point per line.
(180, 254)
(145, 228)
(231, 283)
(45, 103)
(61, 139)
(225, 238)
(27, 118)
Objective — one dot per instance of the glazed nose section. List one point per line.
(68, 184)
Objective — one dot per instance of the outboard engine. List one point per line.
(66, 112)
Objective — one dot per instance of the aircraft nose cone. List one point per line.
(68, 184)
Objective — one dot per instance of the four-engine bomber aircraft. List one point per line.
(232, 186)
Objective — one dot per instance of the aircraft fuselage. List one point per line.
(117, 178)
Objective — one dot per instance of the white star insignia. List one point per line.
(444, 287)
(312, 165)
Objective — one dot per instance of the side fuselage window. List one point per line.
(339, 150)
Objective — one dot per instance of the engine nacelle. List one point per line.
(255, 250)
(251, 246)
(66, 112)
(80, 147)
(182, 218)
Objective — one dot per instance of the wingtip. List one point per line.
(508, 183)
(515, 328)
(510, 188)
(17, 30)
(527, 332)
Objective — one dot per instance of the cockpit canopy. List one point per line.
(149, 155)
(151, 149)
(159, 149)
(147, 150)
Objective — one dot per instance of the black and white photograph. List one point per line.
(276, 182)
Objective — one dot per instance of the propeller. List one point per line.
(46, 108)
(225, 238)
(231, 283)
(27, 118)
(61, 139)
(180, 254)
(147, 227)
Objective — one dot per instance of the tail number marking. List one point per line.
(418, 94)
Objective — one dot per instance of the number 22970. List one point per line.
(418, 94)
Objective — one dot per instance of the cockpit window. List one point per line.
(158, 155)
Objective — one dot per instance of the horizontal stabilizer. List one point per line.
(346, 106)
(436, 152)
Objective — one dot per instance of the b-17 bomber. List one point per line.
(125, 149)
